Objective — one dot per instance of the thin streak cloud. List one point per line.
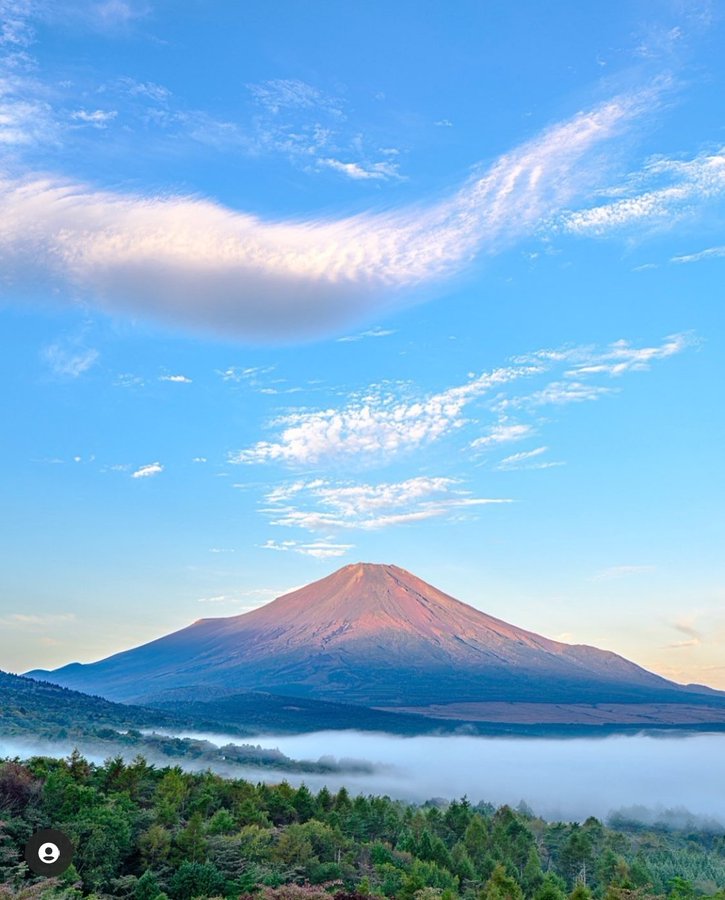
(148, 471)
(321, 505)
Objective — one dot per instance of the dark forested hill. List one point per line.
(41, 709)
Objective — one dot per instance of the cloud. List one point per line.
(378, 171)
(379, 424)
(621, 572)
(148, 471)
(250, 374)
(195, 263)
(321, 505)
(16, 30)
(70, 361)
(32, 620)
(376, 332)
(559, 393)
(99, 118)
(582, 363)
(25, 122)
(176, 379)
(664, 192)
(114, 14)
(129, 380)
(258, 378)
(375, 424)
(694, 636)
(528, 459)
(503, 433)
(621, 357)
(148, 89)
(279, 94)
(615, 359)
(316, 549)
(311, 129)
(709, 253)
(260, 595)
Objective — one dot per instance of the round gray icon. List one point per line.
(48, 852)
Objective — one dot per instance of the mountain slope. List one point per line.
(374, 635)
(41, 709)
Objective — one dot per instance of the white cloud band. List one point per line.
(197, 263)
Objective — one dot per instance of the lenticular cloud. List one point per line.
(196, 263)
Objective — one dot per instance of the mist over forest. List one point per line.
(649, 779)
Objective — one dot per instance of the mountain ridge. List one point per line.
(373, 635)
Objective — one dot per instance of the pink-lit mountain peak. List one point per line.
(373, 635)
(368, 600)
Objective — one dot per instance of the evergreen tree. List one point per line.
(501, 886)
(580, 892)
(191, 841)
(147, 887)
(532, 876)
(551, 888)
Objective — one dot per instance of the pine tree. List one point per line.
(501, 886)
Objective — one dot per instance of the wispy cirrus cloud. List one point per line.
(24, 122)
(310, 127)
(241, 374)
(558, 393)
(617, 358)
(69, 360)
(319, 505)
(196, 263)
(621, 357)
(315, 549)
(16, 27)
(708, 253)
(376, 332)
(361, 171)
(503, 433)
(149, 90)
(35, 620)
(280, 94)
(693, 636)
(583, 364)
(527, 459)
(663, 192)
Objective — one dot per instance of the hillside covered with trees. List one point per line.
(146, 833)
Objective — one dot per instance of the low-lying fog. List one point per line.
(559, 779)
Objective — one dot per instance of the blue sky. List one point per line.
(289, 287)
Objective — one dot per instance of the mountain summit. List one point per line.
(373, 635)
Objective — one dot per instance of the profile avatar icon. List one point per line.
(48, 852)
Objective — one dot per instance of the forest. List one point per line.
(158, 833)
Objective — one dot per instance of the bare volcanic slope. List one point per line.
(373, 635)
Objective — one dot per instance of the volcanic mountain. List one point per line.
(374, 635)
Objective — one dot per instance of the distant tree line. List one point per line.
(147, 833)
